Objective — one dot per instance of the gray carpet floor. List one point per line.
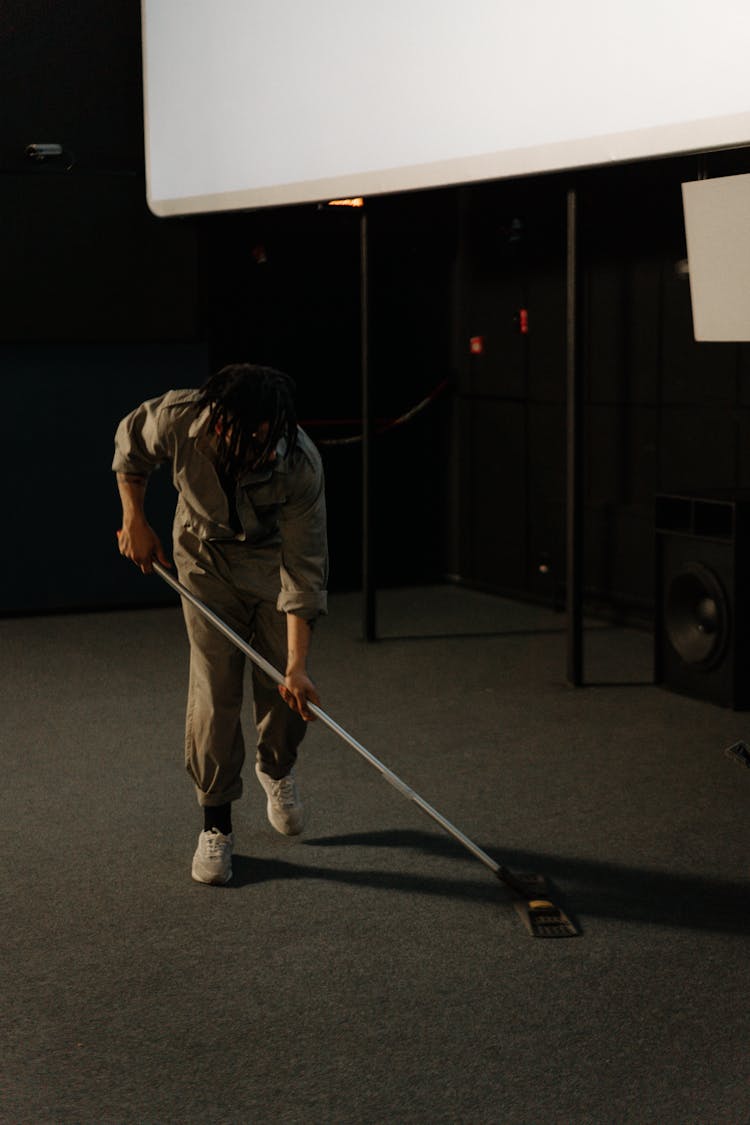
(372, 971)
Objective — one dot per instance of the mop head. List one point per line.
(541, 917)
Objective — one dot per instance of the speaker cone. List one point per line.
(696, 617)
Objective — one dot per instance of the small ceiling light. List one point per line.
(358, 202)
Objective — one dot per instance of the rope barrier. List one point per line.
(383, 426)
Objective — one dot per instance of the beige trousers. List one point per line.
(241, 586)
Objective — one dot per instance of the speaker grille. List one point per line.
(696, 616)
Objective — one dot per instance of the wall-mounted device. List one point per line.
(43, 151)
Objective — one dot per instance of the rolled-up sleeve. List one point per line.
(304, 542)
(142, 439)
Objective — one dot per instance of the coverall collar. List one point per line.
(199, 431)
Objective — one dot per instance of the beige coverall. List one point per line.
(251, 565)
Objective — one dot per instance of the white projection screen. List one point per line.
(252, 103)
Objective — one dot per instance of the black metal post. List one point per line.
(574, 513)
(369, 624)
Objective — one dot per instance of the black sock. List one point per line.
(219, 817)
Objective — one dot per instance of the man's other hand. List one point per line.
(297, 691)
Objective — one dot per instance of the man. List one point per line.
(250, 541)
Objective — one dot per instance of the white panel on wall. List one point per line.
(717, 229)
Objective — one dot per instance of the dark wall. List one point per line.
(105, 305)
(83, 258)
(663, 413)
(100, 301)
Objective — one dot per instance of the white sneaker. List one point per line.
(212, 862)
(284, 810)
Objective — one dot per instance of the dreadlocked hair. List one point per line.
(241, 398)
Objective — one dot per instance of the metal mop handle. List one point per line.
(389, 776)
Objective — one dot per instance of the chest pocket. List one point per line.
(258, 506)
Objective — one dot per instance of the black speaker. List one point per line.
(702, 635)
